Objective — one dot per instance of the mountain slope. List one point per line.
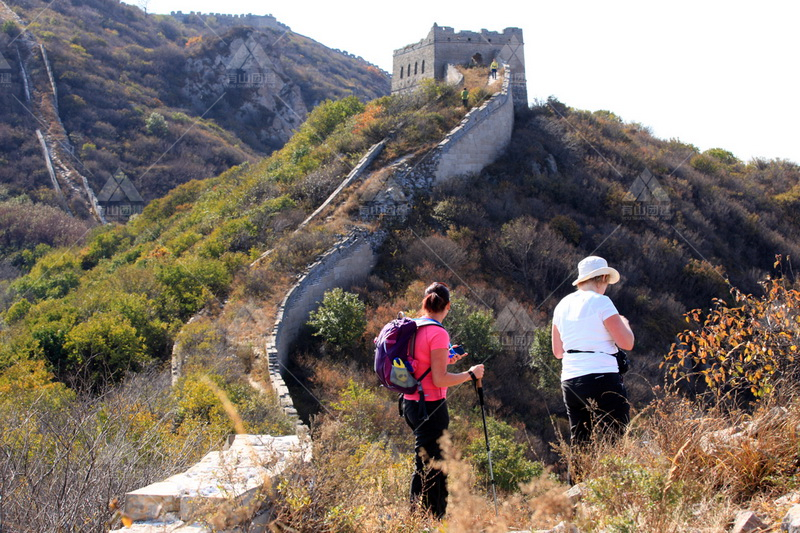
(162, 100)
(508, 238)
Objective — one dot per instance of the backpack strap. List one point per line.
(427, 321)
(421, 322)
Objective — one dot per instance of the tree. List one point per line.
(156, 124)
(474, 328)
(104, 347)
(53, 276)
(341, 318)
(547, 367)
(738, 352)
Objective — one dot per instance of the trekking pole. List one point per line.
(479, 390)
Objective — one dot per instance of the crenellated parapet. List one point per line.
(223, 19)
(443, 46)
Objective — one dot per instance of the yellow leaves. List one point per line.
(741, 346)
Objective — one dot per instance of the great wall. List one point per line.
(234, 482)
(41, 101)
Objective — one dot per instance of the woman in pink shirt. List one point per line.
(431, 351)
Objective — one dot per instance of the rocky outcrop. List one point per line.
(247, 75)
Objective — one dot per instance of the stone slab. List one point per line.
(236, 475)
(153, 501)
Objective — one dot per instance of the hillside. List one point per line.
(92, 318)
(163, 100)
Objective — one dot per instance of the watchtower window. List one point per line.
(423, 66)
(408, 72)
(415, 68)
(401, 72)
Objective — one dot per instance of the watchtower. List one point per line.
(430, 57)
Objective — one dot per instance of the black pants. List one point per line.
(607, 393)
(428, 484)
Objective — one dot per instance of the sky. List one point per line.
(706, 72)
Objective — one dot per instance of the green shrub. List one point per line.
(53, 276)
(103, 349)
(200, 397)
(18, 311)
(104, 246)
(631, 495)
(10, 28)
(724, 156)
(340, 320)
(509, 463)
(567, 228)
(156, 125)
(474, 328)
(705, 164)
(360, 411)
(183, 242)
(547, 367)
(191, 282)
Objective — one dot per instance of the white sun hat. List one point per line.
(592, 266)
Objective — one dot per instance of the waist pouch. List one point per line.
(623, 363)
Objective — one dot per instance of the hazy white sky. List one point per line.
(711, 73)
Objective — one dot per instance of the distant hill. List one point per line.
(163, 100)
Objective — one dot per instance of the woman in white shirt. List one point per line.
(587, 329)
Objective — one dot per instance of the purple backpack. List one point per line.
(394, 354)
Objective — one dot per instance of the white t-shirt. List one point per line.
(579, 318)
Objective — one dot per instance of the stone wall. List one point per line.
(444, 46)
(477, 141)
(222, 19)
(480, 138)
(349, 262)
(354, 174)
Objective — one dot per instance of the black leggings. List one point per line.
(428, 484)
(607, 392)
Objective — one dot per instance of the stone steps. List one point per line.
(229, 485)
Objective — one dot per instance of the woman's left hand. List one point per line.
(457, 357)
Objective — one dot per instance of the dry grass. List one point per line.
(680, 468)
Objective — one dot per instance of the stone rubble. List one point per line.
(791, 522)
(747, 521)
(239, 475)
